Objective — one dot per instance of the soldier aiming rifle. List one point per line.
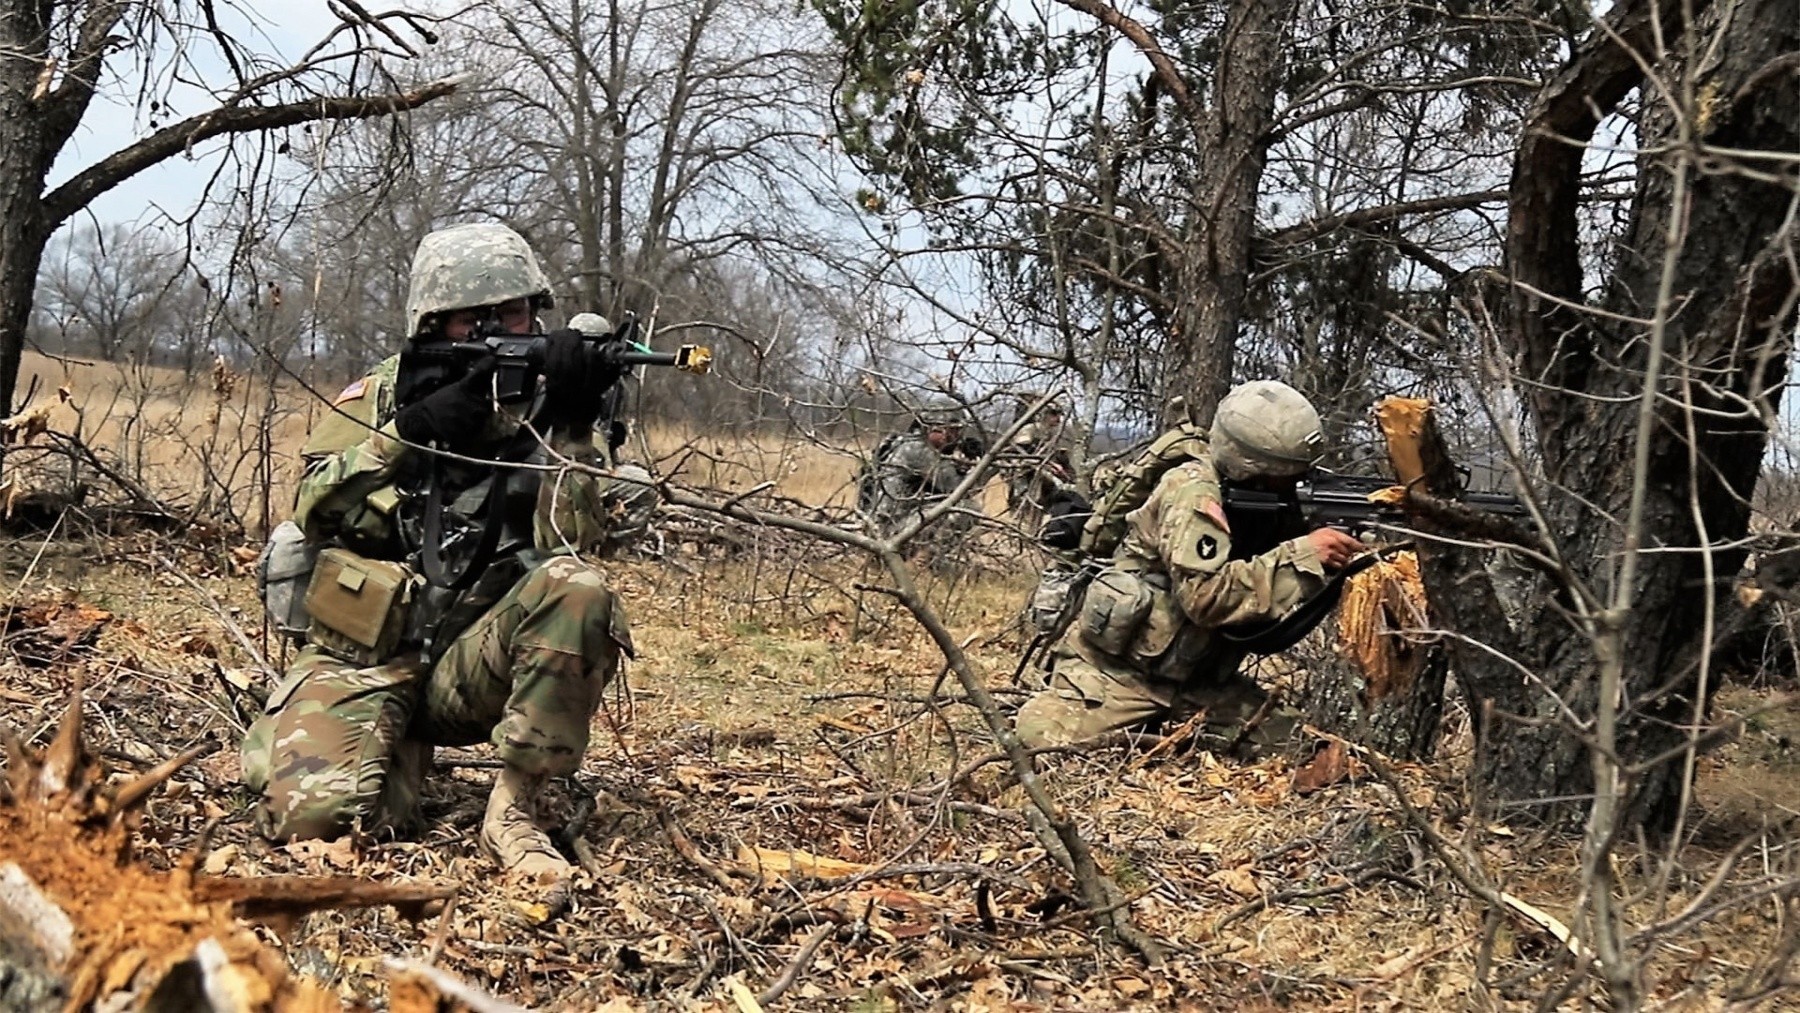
(450, 594)
(1209, 546)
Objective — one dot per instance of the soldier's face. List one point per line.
(943, 436)
(514, 316)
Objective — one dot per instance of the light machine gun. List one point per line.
(1323, 500)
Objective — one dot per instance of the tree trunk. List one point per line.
(1378, 680)
(1221, 222)
(23, 166)
(1402, 723)
(1727, 326)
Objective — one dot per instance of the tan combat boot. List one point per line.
(511, 834)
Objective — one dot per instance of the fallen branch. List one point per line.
(685, 847)
(798, 965)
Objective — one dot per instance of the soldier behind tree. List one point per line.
(1039, 469)
(1145, 643)
(912, 472)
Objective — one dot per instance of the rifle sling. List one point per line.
(431, 556)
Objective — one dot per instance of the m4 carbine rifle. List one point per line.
(518, 360)
(1327, 500)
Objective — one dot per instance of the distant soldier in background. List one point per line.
(912, 472)
(515, 648)
(1040, 471)
(1044, 496)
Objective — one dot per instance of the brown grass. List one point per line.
(1275, 900)
(182, 437)
(186, 441)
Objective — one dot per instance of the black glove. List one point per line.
(454, 415)
(571, 395)
(971, 446)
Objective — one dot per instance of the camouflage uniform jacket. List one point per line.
(909, 476)
(348, 491)
(1178, 577)
(355, 465)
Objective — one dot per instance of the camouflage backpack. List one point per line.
(1131, 487)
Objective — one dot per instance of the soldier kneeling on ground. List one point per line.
(513, 649)
(912, 472)
(1153, 635)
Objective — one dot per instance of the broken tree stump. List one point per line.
(1380, 681)
(84, 925)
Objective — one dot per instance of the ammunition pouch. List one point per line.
(359, 608)
(1114, 609)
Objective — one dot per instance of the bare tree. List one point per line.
(58, 56)
(110, 292)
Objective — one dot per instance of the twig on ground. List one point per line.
(220, 613)
(685, 847)
(798, 965)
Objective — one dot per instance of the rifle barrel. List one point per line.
(636, 358)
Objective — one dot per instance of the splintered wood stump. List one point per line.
(85, 926)
(1416, 449)
(1380, 682)
(1377, 682)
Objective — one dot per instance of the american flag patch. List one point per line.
(352, 392)
(1214, 510)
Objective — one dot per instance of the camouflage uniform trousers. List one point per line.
(1083, 700)
(339, 746)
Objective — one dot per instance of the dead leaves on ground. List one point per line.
(51, 629)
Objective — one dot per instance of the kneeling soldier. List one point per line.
(513, 649)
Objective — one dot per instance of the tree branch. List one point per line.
(116, 168)
(69, 102)
(1166, 71)
(1381, 214)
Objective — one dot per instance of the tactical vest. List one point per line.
(1134, 483)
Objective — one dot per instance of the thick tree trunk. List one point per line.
(21, 250)
(1725, 329)
(22, 241)
(1402, 724)
(23, 166)
(1221, 222)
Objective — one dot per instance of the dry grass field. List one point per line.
(794, 799)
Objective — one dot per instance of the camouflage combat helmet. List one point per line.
(1265, 428)
(591, 324)
(936, 414)
(477, 264)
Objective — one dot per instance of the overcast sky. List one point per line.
(288, 28)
